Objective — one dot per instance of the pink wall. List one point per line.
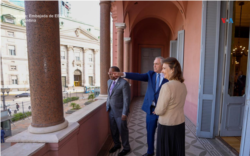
(150, 33)
(87, 140)
(192, 57)
(179, 25)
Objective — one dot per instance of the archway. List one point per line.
(150, 38)
(77, 78)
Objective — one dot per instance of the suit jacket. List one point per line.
(119, 99)
(151, 94)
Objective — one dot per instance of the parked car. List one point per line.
(23, 95)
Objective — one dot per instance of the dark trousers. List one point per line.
(2, 139)
(151, 123)
(118, 126)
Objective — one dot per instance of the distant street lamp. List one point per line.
(3, 90)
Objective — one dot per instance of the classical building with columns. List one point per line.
(80, 57)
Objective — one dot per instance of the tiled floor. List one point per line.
(234, 142)
(137, 135)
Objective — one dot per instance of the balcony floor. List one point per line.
(138, 140)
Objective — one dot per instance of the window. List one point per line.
(8, 18)
(10, 34)
(12, 50)
(12, 67)
(63, 55)
(90, 58)
(77, 55)
(14, 79)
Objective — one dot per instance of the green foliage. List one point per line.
(19, 116)
(70, 99)
(91, 97)
(75, 106)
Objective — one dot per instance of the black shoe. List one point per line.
(123, 152)
(148, 154)
(113, 149)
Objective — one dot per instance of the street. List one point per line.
(25, 104)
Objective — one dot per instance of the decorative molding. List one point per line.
(113, 10)
(70, 48)
(80, 30)
(95, 51)
(127, 39)
(77, 31)
(120, 25)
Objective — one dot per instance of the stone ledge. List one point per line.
(85, 111)
(55, 137)
(23, 149)
(29, 144)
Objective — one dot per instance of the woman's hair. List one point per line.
(175, 65)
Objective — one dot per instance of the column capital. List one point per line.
(96, 50)
(86, 49)
(70, 47)
(120, 25)
(127, 39)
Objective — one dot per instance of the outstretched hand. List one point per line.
(117, 74)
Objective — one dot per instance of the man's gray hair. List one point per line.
(161, 58)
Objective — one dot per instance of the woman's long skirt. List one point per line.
(171, 140)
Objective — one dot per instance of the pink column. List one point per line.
(126, 54)
(43, 43)
(120, 32)
(104, 45)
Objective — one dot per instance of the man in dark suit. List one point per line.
(118, 107)
(155, 80)
(241, 83)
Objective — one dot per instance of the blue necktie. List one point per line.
(157, 82)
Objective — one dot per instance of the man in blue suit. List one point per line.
(155, 80)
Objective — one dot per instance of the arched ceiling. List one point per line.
(151, 23)
(165, 11)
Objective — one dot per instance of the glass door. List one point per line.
(235, 68)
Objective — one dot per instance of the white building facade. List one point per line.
(80, 57)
